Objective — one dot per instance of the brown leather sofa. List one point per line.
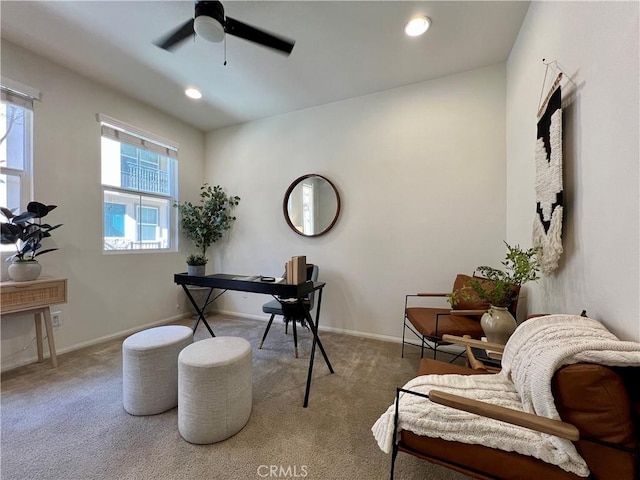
(602, 402)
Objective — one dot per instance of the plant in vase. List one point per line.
(196, 263)
(206, 223)
(520, 266)
(26, 231)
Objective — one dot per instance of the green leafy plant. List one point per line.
(207, 222)
(520, 266)
(26, 231)
(197, 259)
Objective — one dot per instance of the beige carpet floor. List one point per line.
(68, 423)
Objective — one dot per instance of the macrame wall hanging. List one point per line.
(547, 224)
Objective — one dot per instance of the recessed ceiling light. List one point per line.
(417, 26)
(193, 92)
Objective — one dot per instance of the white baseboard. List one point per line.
(355, 333)
(386, 338)
(95, 341)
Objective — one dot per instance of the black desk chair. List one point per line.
(291, 311)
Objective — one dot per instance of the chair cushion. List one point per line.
(274, 306)
(288, 309)
(424, 321)
(594, 398)
(465, 297)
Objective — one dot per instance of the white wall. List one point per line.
(596, 45)
(107, 294)
(421, 174)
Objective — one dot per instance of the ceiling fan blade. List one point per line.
(181, 33)
(252, 34)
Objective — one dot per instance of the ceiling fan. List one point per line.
(210, 23)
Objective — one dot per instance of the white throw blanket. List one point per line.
(534, 352)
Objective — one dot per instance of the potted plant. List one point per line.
(207, 222)
(26, 231)
(196, 263)
(502, 290)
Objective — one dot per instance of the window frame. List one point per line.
(143, 141)
(15, 94)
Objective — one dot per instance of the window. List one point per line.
(16, 128)
(114, 219)
(149, 226)
(139, 178)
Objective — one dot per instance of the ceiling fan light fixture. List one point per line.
(193, 92)
(208, 28)
(417, 26)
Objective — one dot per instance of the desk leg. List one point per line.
(199, 311)
(316, 339)
(37, 317)
(52, 345)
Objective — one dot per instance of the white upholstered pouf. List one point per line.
(214, 389)
(150, 368)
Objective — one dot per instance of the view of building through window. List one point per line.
(138, 190)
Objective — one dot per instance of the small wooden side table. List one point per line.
(35, 297)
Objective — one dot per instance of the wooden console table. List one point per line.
(35, 297)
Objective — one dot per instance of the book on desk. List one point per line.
(296, 270)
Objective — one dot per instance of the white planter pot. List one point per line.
(24, 271)
(498, 324)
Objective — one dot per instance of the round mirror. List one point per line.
(311, 205)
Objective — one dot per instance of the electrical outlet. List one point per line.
(56, 319)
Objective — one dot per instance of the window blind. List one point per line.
(9, 96)
(17, 93)
(122, 132)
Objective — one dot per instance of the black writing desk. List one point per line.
(254, 284)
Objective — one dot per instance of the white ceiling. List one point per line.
(343, 50)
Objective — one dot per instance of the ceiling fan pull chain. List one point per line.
(225, 51)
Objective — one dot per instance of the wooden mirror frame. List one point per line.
(285, 203)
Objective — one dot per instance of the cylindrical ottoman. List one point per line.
(214, 389)
(150, 369)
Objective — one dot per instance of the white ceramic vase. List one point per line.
(24, 271)
(498, 324)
